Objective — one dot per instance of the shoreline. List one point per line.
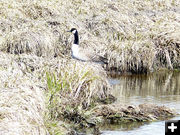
(41, 84)
(64, 94)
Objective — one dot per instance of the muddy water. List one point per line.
(162, 88)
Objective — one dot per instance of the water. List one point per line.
(161, 88)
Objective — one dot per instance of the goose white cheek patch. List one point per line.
(74, 31)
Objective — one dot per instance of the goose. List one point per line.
(82, 54)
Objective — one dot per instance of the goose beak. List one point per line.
(68, 31)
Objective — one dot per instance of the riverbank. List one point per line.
(43, 95)
(37, 92)
(41, 85)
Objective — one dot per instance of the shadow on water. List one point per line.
(161, 88)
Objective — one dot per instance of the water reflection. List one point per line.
(150, 129)
(160, 88)
(123, 126)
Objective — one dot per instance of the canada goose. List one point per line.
(82, 54)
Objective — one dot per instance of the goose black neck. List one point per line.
(76, 38)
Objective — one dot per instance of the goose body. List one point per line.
(83, 54)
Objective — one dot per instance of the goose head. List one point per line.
(76, 37)
(73, 30)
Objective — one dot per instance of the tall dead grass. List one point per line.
(73, 88)
(135, 36)
(36, 92)
(22, 103)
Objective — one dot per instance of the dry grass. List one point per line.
(22, 102)
(135, 36)
(74, 87)
(76, 84)
(116, 113)
(26, 79)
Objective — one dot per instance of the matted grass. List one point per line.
(37, 92)
(135, 35)
(22, 101)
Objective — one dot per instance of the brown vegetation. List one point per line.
(36, 92)
(144, 112)
(135, 36)
(22, 103)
